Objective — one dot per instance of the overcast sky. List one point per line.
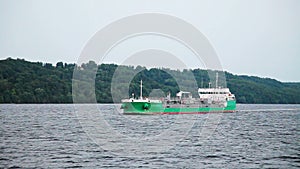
(254, 37)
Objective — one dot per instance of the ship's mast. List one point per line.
(141, 93)
(217, 76)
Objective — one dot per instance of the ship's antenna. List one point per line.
(141, 94)
(217, 76)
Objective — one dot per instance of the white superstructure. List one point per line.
(211, 95)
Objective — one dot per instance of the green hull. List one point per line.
(158, 108)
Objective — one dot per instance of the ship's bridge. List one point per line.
(216, 94)
(213, 91)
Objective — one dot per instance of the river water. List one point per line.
(60, 136)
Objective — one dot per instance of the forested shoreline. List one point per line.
(36, 82)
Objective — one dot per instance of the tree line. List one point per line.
(22, 81)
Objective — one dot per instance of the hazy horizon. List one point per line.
(160, 67)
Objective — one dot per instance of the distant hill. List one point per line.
(35, 82)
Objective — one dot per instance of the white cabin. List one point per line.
(215, 94)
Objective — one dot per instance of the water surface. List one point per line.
(51, 136)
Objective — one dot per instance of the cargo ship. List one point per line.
(209, 100)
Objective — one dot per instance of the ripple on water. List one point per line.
(50, 136)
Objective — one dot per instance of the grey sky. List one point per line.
(251, 37)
